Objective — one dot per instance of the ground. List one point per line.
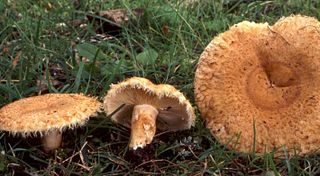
(66, 46)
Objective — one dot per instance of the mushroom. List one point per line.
(145, 107)
(47, 115)
(257, 86)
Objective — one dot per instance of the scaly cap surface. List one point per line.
(40, 114)
(263, 74)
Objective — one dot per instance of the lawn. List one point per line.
(61, 46)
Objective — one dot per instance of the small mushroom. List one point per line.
(47, 115)
(257, 86)
(146, 107)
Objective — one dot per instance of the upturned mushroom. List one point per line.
(146, 107)
(47, 115)
(257, 86)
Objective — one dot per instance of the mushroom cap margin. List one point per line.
(38, 115)
(229, 115)
(175, 111)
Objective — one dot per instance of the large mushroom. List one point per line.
(258, 86)
(47, 115)
(145, 107)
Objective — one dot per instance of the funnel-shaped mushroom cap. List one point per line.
(41, 114)
(267, 77)
(175, 111)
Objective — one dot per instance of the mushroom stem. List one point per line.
(51, 140)
(143, 125)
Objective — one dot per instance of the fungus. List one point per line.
(47, 115)
(147, 107)
(262, 82)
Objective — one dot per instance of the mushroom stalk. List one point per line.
(52, 140)
(143, 125)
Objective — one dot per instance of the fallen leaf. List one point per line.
(112, 21)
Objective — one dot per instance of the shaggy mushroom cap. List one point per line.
(40, 114)
(47, 115)
(138, 95)
(262, 82)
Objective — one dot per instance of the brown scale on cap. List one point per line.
(267, 74)
(47, 115)
(147, 107)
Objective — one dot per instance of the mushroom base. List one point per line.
(51, 140)
(143, 125)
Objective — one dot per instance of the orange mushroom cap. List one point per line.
(263, 77)
(41, 114)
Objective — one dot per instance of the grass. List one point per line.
(43, 50)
